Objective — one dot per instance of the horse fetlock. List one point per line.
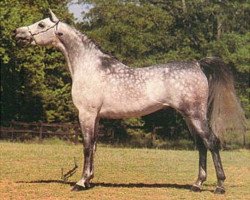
(221, 178)
(202, 176)
(220, 183)
(87, 176)
(201, 179)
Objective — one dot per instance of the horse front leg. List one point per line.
(88, 122)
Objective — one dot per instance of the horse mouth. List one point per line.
(24, 40)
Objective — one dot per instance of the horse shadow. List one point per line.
(117, 185)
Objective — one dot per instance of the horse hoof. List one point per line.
(195, 188)
(219, 190)
(77, 188)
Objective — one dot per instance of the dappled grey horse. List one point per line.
(103, 87)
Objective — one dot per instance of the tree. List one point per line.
(34, 78)
(137, 41)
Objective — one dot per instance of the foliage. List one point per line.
(34, 81)
(125, 26)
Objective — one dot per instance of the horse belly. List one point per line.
(134, 98)
(124, 109)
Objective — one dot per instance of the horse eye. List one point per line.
(41, 25)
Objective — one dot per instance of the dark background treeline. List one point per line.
(35, 83)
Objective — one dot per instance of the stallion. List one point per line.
(103, 87)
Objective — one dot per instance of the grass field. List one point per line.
(33, 171)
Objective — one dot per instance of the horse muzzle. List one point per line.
(22, 36)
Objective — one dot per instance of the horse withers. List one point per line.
(103, 87)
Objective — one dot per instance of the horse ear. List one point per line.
(53, 17)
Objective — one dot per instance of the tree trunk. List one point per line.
(219, 27)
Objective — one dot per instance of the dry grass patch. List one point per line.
(33, 171)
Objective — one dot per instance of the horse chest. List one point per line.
(86, 92)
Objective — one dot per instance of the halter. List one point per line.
(43, 31)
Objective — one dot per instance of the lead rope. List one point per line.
(70, 173)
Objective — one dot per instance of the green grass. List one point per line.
(33, 171)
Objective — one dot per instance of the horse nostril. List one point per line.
(59, 34)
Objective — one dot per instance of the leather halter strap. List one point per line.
(42, 31)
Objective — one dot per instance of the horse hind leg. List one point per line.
(202, 174)
(212, 143)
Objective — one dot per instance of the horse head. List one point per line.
(44, 32)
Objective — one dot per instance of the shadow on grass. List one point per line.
(71, 183)
(118, 185)
(142, 185)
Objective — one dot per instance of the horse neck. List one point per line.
(78, 50)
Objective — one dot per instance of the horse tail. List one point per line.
(224, 110)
